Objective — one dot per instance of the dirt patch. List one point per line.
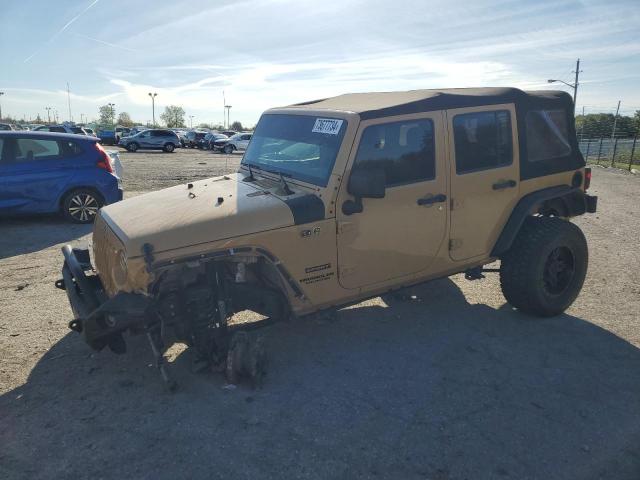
(452, 384)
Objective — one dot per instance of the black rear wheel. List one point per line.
(544, 270)
(132, 147)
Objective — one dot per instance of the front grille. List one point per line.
(106, 246)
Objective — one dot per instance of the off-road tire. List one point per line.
(133, 147)
(228, 149)
(169, 147)
(543, 271)
(81, 205)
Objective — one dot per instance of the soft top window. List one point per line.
(547, 135)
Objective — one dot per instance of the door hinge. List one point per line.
(455, 204)
(455, 243)
(347, 270)
(344, 227)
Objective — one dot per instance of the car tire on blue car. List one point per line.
(81, 205)
(169, 147)
(132, 147)
(228, 149)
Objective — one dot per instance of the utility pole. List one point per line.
(69, 102)
(615, 122)
(1, 93)
(153, 106)
(224, 106)
(571, 85)
(48, 109)
(575, 85)
(190, 121)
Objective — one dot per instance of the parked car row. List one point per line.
(44, 172)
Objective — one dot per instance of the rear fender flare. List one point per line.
(562, 200)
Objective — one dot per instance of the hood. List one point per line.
(181, 216)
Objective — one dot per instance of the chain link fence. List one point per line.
(618, 152)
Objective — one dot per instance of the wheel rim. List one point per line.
(83, 207)
(559, 270)
(133, 147)
(169, 148)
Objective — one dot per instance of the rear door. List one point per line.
(485, 177)
(401, 234)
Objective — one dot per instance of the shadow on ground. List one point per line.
(429, 388)
(32, 234)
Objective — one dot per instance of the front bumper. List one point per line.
(99, 319)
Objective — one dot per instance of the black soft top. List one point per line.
(385, 104)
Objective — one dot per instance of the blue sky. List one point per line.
(266, 53)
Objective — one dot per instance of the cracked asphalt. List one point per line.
(451, 384)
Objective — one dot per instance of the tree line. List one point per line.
(172, 117)
(596, 125)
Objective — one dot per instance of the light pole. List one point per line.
(48, 109)
(113, 113)
(228, 107)
(1, 93)
(571, 85)
(153, 106)
(55, 115)
(190, 121)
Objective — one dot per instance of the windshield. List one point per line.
(298, 146)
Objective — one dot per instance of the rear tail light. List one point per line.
(104, 160)
(587, 178)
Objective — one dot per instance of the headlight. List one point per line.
(119, 269)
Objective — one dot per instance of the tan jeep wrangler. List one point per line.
(341, 199)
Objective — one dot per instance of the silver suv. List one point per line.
(154, 139)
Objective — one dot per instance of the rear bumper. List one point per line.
(98, 318)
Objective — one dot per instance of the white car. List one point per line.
(239, 141)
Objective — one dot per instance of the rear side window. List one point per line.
(547, 135)
(405, 150)
(70, 148)
(482, 141)
(28, 149)
(57, 129)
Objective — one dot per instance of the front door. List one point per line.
(144, 140)
(485, 177)
(401, 234)
(33, 173)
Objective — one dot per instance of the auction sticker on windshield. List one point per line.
(327, 125)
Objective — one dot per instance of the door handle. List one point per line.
(431, 200)
(504, 184)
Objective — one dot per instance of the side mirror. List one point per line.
(367, 183)
(364, 183)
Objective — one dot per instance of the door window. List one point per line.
(482, 141)
(404, 150)
(28, 149)
(57, 129)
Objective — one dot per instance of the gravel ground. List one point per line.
(451, 385)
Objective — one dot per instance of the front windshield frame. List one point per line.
(330, 142)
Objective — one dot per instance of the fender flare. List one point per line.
(563, 200)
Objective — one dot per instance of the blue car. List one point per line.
(43, 172)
